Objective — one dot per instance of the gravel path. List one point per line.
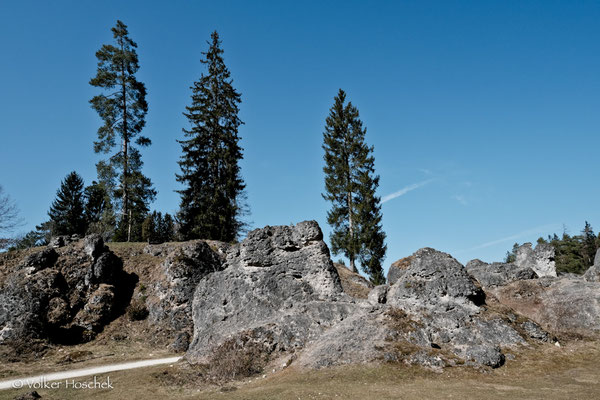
(28, 382)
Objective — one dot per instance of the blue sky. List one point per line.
(484, 115)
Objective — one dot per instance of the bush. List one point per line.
(239, 357)
(137, 310)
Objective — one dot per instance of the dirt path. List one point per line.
(31, 380)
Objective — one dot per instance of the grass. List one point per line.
(546, 372)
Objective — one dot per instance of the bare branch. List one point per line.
(9, 213)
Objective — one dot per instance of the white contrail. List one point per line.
(531, 231)
(404, 190)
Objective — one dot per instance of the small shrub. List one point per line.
(137, 310)
(239, 357)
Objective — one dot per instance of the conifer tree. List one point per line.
(212, 200)
(350, 185)
(99, 211)
(123, 109)
(588, 248)
(158, 229)
(67, 210)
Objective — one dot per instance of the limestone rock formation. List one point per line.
(540, 259)
(353, 283)
(498, 274)
(170, 300)
(63, 294)
(280, 291)
(593, 272)
(566, 307)
(436, 292)
(279, 286)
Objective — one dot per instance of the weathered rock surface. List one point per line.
(540, 259)
(279, 284)
(566, 307)
(498, 274)
(353, 283)
(280, 288)
(170, 301)
(436, 291)
(40, 260)
(593, 272)
(63, 294)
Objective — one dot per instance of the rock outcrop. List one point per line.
(593, 272)
(280, 291)
(448, 306)
(277, 298)
(170, 300)
(353, 283)
(540, 259)
(569, 308)
(498, 274)
(65, 294)
(279, 286)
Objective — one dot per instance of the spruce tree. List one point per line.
(123, 109)
(350, 185)
(99, 212)
(212, 200)
(588, 249)
(66, 213)
(158, 228)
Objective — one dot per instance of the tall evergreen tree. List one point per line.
(158, 229)
(67, 210)
(212, 201)
(123, 109)
(350, 185)
(99, 212)
(588, 248)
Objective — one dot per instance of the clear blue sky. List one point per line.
(485, 115)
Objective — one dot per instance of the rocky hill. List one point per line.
(277, 299)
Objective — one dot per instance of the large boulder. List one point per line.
(170, 298)
(434, 290)
(566, 307)
(429, 277)
(498, 274)
(279, 286)
(593, 272)
(64, 295)
(540, 259)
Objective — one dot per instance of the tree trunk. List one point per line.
(351, 231)
(125, 211)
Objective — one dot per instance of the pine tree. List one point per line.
(212, 201)
(123, 109)
(67, 210)
(588, 249)
(166, 228)
(149, 228)
(350, 184)
(99, 212)
(158, 229)
(511, 256)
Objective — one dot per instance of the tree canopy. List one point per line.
(350, 185)
(123, 109)
(212, 200)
